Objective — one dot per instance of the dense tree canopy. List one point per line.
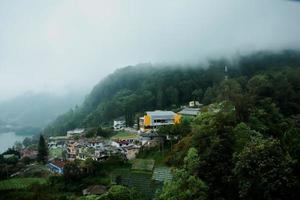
(119, 192)
(264, 171)
(185, 184)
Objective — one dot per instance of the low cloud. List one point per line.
(55, 45)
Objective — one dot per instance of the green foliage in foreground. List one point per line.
(237, 162)
(119, 192)
(263, 169)
(185, 184)
(20, 183)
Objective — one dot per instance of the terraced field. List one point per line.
(162, 174)
(142, 177)
(20, 183)
(141, 181)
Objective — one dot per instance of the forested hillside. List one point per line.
(135, 89)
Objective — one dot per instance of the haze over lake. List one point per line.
(7, 140)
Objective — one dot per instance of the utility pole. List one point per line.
(226, 70)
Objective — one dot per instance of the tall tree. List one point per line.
(197, 94)
(214, 139)
(42, 150)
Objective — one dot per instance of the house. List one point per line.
(195, 104)
(77, 131)
(95, 143)
(131, 152)
(119, 124)
(150, 135)
(189, 112)
(155, 119)
(57, 166)
(114, 144)
(72, 150)
(100, 155)
(53, 144)
(94, 190)
(29, 153)
(84, 152)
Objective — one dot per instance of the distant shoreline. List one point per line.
(8, 139)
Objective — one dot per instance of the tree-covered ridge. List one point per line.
(135, 89)
(236, 160)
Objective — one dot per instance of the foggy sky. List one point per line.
(61, 45)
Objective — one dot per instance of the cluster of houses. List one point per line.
(75, 146)
(81, 148)
(29, 153)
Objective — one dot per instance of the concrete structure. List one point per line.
(195, 104)
(94, 190)
(77, 131)
(155, 119)
(189, 112)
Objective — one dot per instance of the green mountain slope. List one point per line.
(135, 89)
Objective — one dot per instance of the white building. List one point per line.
(119, 124)
(155, 119)
(189, 112)
(76, 131)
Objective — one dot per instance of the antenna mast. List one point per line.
(226, 70)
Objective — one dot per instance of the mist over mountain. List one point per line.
(37, 109)
(77, 43)
(132, 90)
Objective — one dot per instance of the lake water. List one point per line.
(8, 140)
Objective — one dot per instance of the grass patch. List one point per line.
(124, 136)
(55, 153)
(20, 183)
(96, 180)
(36, 170)
(155, 153)
(143, 164)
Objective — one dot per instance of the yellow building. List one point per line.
(154, 119)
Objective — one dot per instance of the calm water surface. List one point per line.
(8, 140)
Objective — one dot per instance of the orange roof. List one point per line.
(59, 163)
